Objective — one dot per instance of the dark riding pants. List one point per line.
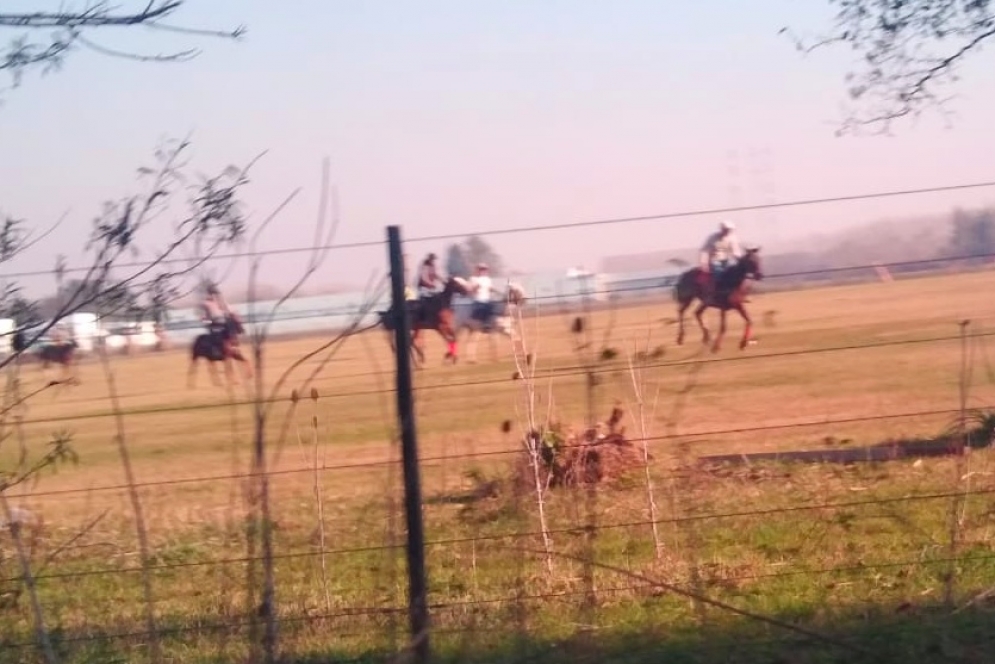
(482, 312)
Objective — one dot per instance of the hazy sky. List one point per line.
(468, 116)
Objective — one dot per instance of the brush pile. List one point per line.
(596, 455)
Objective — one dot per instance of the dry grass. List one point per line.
(778, 563)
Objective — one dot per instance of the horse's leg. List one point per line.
(246, 365)
(705, 335)
(494, 347)
(471, 345)
(415, 349)
(722, 329)
(747, 326)
(448, 332)
(227, 353)
(681, 309)
(239, 356)
(450, 344)
(191, 372)
(451, 336)
(72, 369)
(213, 370)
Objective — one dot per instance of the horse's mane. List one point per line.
(515, 292)
(737, 272)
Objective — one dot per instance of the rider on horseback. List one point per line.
(215, 313)
(428, 278)
(481, 287)
(717, 253)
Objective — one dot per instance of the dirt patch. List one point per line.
(979, 436)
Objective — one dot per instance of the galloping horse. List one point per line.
(502, 321)
(431, 313)
(49, 352)
(729, 293)
(64, 353)
(220, 346)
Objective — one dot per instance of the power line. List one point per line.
(733, 209)
(519, 534)
(474, 455)
(346, 311)
(362, 611)
(564, 372)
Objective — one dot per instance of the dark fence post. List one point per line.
(417, 583)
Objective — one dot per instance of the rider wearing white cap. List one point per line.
(718, 251)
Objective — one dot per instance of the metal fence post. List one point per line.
(417, 582)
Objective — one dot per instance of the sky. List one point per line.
(465, 117)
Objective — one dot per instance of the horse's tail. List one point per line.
(675, 290)
(684, 287)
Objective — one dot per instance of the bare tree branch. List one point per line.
(908, 50)
(69, 27)
(179, 56)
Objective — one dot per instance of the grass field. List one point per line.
(863, 556)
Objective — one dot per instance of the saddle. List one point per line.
(714, 291)
(423, 309)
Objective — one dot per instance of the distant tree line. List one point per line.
(463, 257)
(968, 240)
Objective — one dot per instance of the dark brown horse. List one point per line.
(728, 293)
(219, 346)
(48, 352)
(431, 313)
(62, 353)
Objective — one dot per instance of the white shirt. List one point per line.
(481, 288)
(720, 248)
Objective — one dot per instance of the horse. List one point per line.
(729, 293)
(219, 346)
(434, 312)
(502, 320)
(63, 353)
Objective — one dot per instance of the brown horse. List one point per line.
(62, 353)
(219, 346)
(53, 351)
(431, 313)
(728, 293)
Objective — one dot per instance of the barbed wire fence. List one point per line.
(339, 557)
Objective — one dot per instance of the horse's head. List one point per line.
(750, 263)
(386, 320)
(233, 325)
(457, 285)
(515, 294)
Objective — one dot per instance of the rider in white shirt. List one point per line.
(718, 252)
(482, 288)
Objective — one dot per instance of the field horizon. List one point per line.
(772, 560)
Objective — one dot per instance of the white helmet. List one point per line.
(727, 225)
